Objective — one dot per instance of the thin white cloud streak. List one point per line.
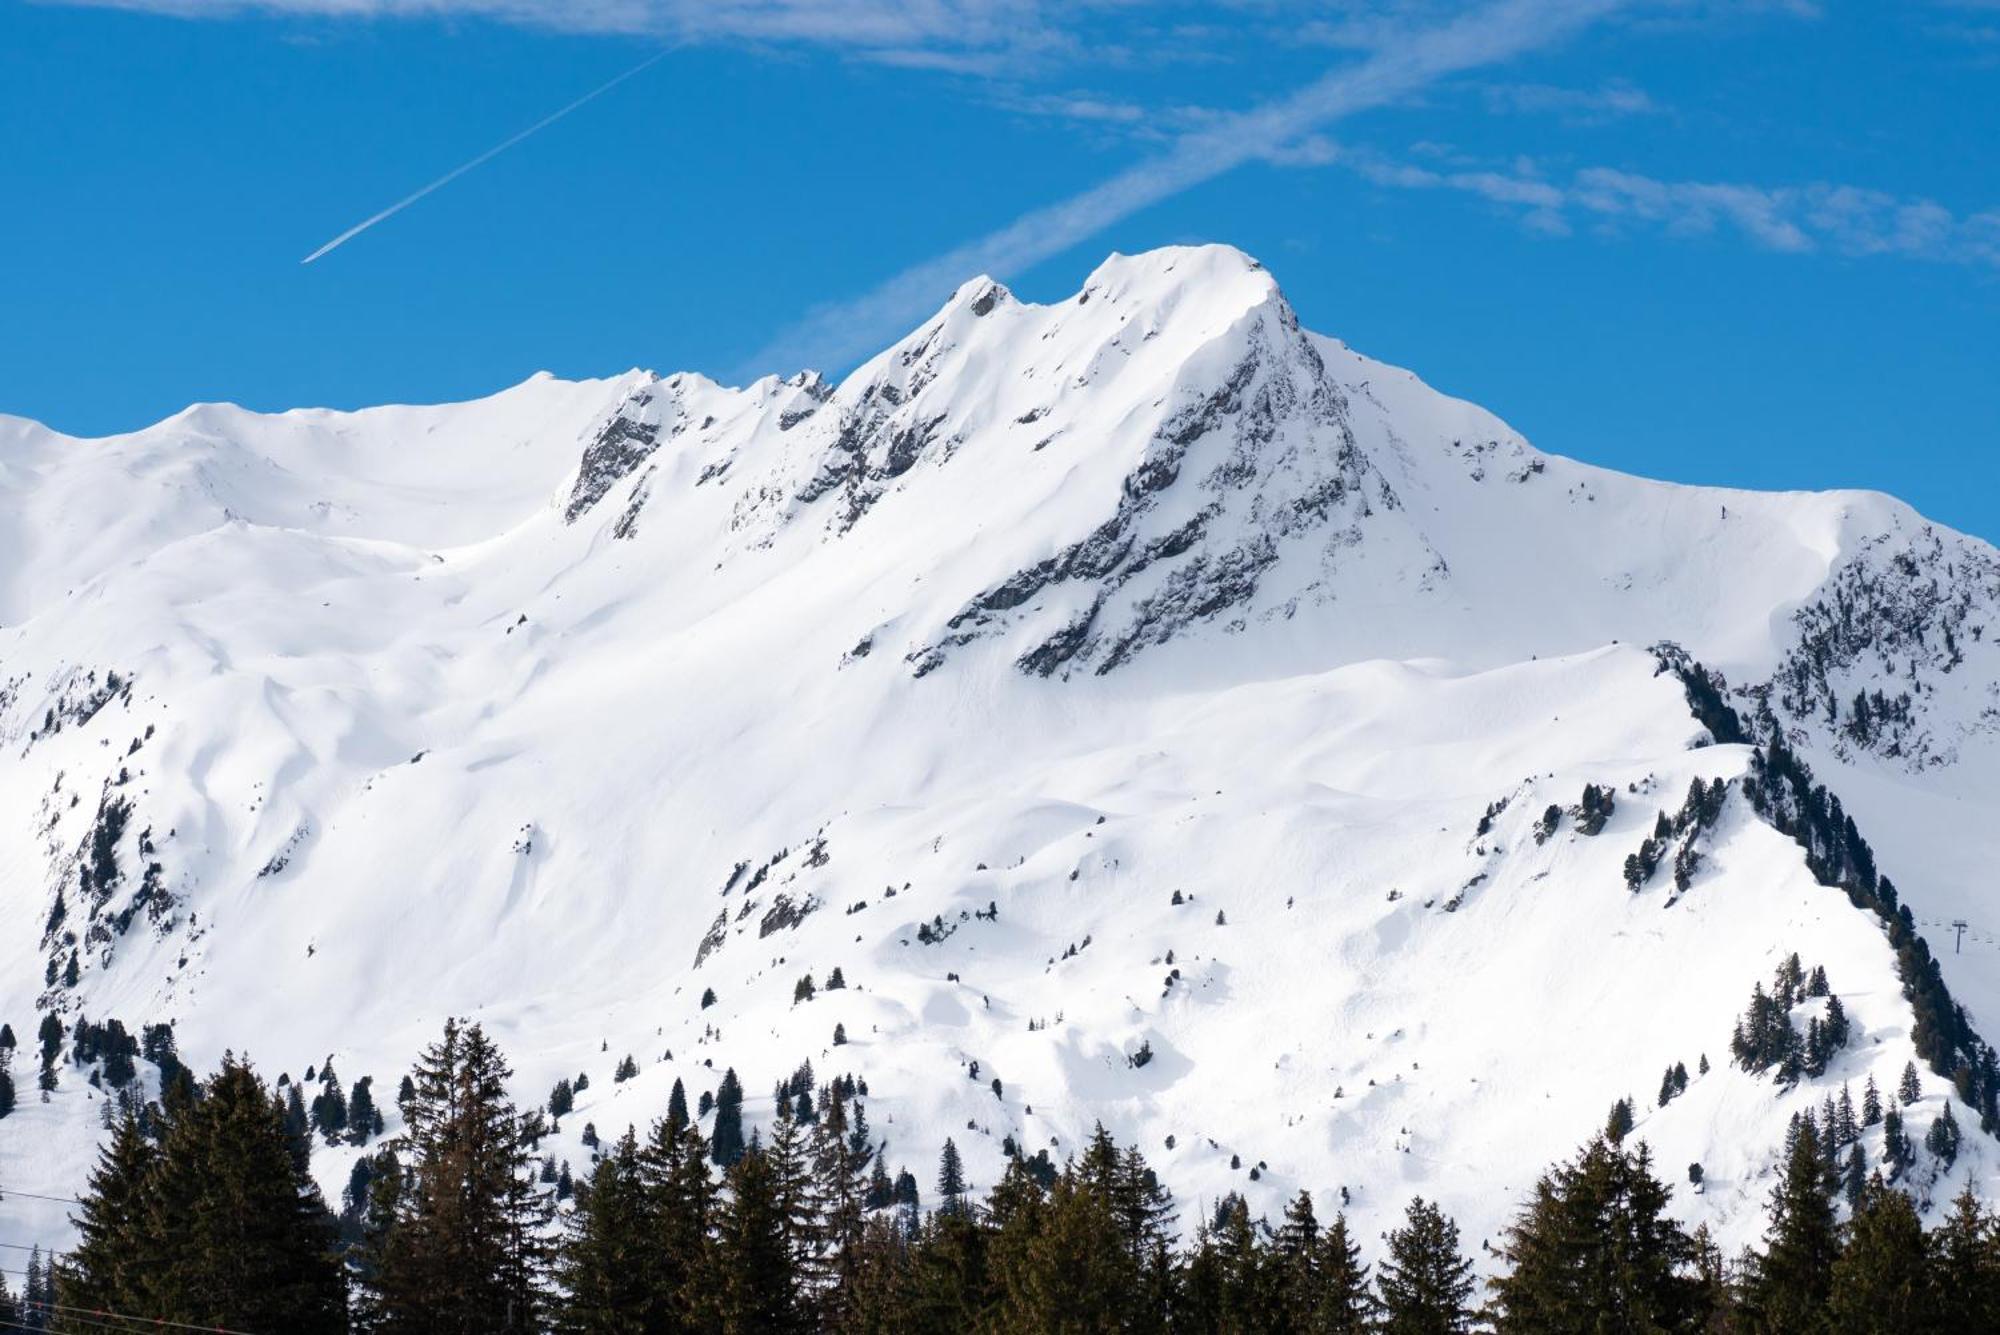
(835, 335)
(1815, 217)
(480, 161)
(863, 25)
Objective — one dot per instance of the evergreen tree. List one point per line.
(677, 1108)
(364, 1119)
(842, 1157)
(1595, 1242)
(329, 1111)
(682, 1204)
(1424, 1282)
(1943, 1137)
(1965, 1265)
(603, 1264)
(726, 1141)
(298, 1126)
(217, 1227)
(1897, 1153)
(1881, 1280)
(759, 1290)
(463, 1254)
(107, 1267)
(1345, 1306)
(1061, 1265)
(1909, 1089)
(1871, 1103)
(1320, 1284)
(7, 1095)
(951, 1179)
(1619, 1124)
(1792, 1277)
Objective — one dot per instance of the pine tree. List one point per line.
(1793, 1275)
(1424, 1282)
(1909, 1089)
(463, 1254)
(1619, 1124)
(1871, 1103)
(1880, 1281)
(7, 1095)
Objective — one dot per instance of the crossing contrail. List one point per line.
(481, 160)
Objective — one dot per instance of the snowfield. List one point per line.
(1114, 691)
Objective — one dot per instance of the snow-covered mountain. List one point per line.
(1151, 708)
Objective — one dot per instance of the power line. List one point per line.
(5, 1192)
(80, 1315)
(69, 1320)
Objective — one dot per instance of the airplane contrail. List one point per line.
(481, 160)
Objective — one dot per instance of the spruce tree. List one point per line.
(759, 1290)
(1425, 1284)
(463, 1254)
(1965, 1265)
(602, 1263)
(726, 1140)
(1073, 1272)
(842, 1157)
(1595, 1240)
(682, 1204)
(677, 1107)
(951, 1179)
(225, 1229)
(1793, 1275)
(1345, 1306)
(364, 1119)
(108, 1265)
(1881, 1280)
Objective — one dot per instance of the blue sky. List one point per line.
(1711, 240)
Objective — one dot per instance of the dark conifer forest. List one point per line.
(201, 1215)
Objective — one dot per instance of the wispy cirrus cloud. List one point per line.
(1397, 67)
(1813, 217)
(910, 29)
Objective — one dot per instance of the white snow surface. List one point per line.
(478, 709)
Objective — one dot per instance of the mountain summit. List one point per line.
(1152, 712)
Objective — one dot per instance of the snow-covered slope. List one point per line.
(1140, 674)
